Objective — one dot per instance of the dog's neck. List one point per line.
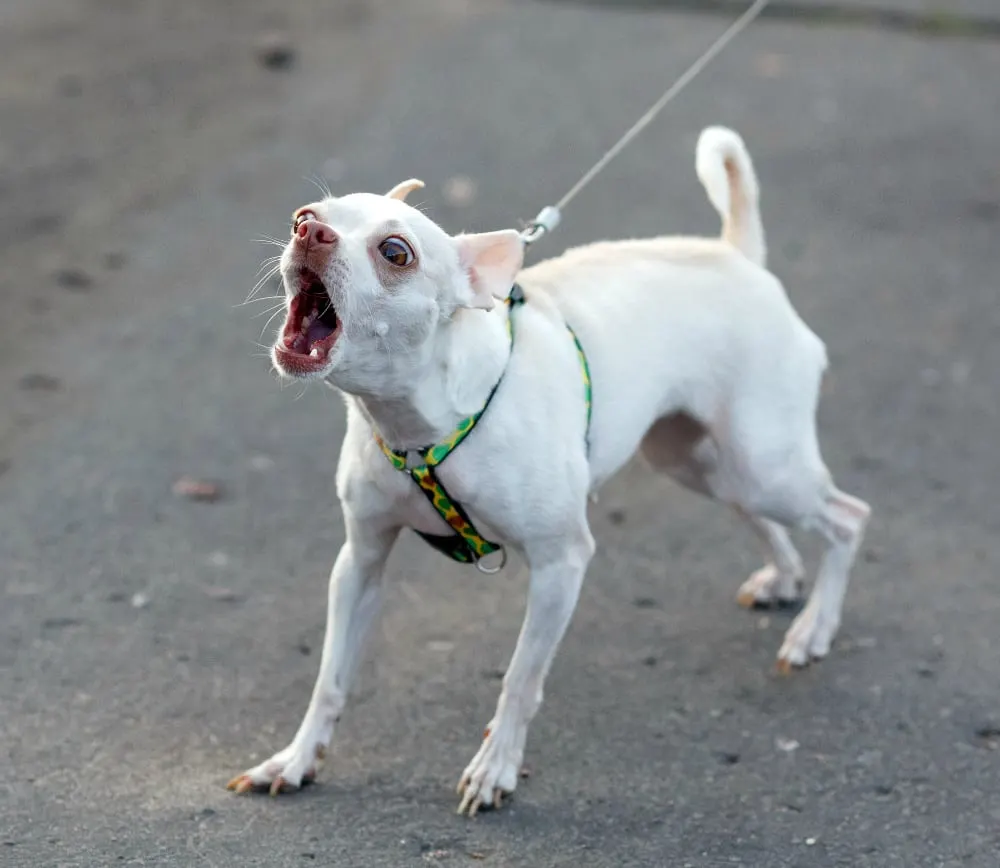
(423, 402)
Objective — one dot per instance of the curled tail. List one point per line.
(726, 171)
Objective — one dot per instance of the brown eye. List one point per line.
(396, 251)
(301, 218)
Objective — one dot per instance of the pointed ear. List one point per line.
(401, 191)
(491, 260)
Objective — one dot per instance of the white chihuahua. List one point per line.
(690, 349)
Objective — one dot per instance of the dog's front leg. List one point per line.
(353, 601)
(557, 568)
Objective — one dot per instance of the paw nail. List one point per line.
(240, 784)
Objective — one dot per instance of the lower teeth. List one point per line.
(314, 353)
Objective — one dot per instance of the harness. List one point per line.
(467, 545)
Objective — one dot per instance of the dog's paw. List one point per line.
(287, 770)
(492, 774)
(767, 588)
(809, 638)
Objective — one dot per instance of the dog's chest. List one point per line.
(508, 495)
(462, 484)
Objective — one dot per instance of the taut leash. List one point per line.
(548, 218)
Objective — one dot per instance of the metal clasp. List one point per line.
(547, 220)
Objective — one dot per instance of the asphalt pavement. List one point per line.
(151, 645)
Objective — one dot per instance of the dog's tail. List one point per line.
(726, 171)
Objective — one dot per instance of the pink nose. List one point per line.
(316, 233)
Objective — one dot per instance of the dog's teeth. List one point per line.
(314, 353)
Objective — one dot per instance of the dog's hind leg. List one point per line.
(841, 519)
(782, 479)
(778, 582)
(682, 448)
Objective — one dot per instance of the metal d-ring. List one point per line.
(414, 459)
(492, 571)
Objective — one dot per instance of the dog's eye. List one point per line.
(300, 218)
(396, 251)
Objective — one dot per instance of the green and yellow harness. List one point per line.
(467, 545)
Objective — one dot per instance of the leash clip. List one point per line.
(547, 220)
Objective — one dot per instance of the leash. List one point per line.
(548, 218)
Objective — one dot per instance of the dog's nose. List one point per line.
(314, 232)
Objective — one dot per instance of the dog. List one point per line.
(685, 349)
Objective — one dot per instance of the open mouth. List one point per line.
(311, 328)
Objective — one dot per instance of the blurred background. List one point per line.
(167, 511)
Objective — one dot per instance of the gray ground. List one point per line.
(142, 151)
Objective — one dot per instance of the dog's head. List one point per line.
(370, 282)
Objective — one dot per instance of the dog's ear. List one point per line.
(401, 191)
(491, 261)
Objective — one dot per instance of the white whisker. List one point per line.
(270, 310)
(259, 299)
(267, 239)
(321, 184)
(269, 261)
(268, 323)
(259, 285)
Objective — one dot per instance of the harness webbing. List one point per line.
(466, 545)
